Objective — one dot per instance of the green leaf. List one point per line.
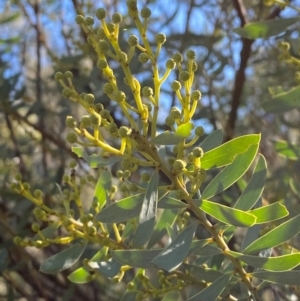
(136, 258)
(288, 278)
(205, 274)
(168, 202)
(283, 102)
(208, 250)
(184, 130)
(251, 235)
(174, 254)
(94, 161)
(287, 150)
(80, 276)
(279, 263)
(277, 236)
(211, 141)
(265, 29)
(228, 215)
(123, 210)
(230, 174)
(4, 259)
(102, 188)
(255, 187)
(167, 138)
(47, 232)
(130, 294)
(171, 296)
(147, 213)
(269, 213)
(225, 153)
(63, 260)
(109, 268)
(212, 292)
(166, 219)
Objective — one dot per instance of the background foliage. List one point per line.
(39, 38)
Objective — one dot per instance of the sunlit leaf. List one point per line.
(255, 187)
(278, 263)
(228, 215)
(81, 275)
(173, 255)
(109, 268)
(225, 153)
(269, 213)
(231, 173)
(103, 186)
(63, 260)
(168, 202)
(184, 130)
(123, 210)
(147, 213)
(283, 102)
(265, 29)
(205, 274)
(277, 236)
(47, 232)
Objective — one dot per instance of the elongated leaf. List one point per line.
(231, 173)
(174, 254)
(269, 213)
(225, 154)
(283, 102)
(251, 235)
(166, 219)
(212, 292)
(279, 263)
(63, 260)
(171, 296)
(94, 161)
(277, 236)
(147, 214)
(288, 278)
(204, 274)
(287, 150)
(168, 202)
(103, 186)
(255, 187)
(228, 215)
(136, 258)
(109, 268)
(213, 140)
(122, 210)
(167, 138)
(265, 29)
(208, 250)
(80, 276)
(130, 294)
(47, 232)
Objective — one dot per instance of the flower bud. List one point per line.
(103, 46)
(184, 76)
(194, 66)
(68, 74)
(143, 58)
(101, 34)
(198, 152)
(108, 89)
(176, 85)
(35, 227)
(113, 129)
(95, 120)
(145, 177)
(171, 160)
(89, 98)
(175, 113)
(72, 164)
(130, 286)
(102, 64)
(120, 96)
(58, 76)
(170, 64)
(111, 27)
(26, 186)
(123, 187)
(170, 121)
(190, 157)
(71, 137)
(124, 132)
(80, 19)
(17, 240)
(37, 193)
(99, 107)
(105, 114)
(18, 177)
(191, 55)
(177, 57)
(132, 4)
(133, 41)
(179, 165)
(101, 13)
(160, 38)
(196, 95)
(126, 174)
(89, 21)
(85, 121)
(117, 18)
(147, 91)
(145, 13)
(133, 187)
(120, 174)
(199, 131)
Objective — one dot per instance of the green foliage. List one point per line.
(143, 229)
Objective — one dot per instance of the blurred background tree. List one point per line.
(38, 38)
